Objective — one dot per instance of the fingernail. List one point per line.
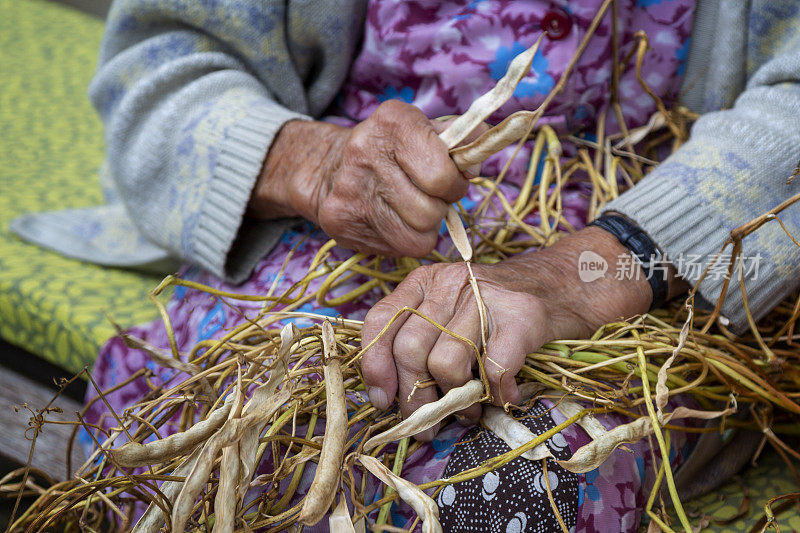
(378, 397)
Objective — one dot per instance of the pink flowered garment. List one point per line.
(440, 56)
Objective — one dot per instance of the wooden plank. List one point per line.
(51, 444)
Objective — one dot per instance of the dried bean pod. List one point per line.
(662, 391)
(513, 432)
(509, 130)
(430, 414)
(457, 232)
(491, 101)
(248, 445)
(589, 423)
(323, 489)
(153, 518)
(133, 454)
(423, 504)
(227, 435)
(225, 500)
(592, 455)
(340, 521)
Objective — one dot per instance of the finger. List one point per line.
(412, 346)
(510, 340)
(503, 362)
(397, 237)
(423, 156)
(451, 359)
(418, 210)
(377, 364)
(410, 398)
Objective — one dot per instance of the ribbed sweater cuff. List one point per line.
(691, 234)
(241, 157)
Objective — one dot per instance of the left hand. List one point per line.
(531, 299)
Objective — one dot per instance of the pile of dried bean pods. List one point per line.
(257, 395)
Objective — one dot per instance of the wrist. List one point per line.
(619, 289)
(302, 157)
(577, 277)
(661, 274)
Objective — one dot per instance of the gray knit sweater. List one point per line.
(192, 95)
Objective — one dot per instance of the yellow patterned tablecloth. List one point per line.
(51, 145)
(770, 478)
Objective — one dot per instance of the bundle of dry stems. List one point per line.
(244, 396)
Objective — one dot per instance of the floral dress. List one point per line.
(440, 55)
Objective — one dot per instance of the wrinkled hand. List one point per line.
(531, 299)
(381, 187)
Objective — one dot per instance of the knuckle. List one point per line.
(432, 220)
(532, 306)
(376, 317)
(359, 142)
(390, 109)
(443, 178)
(447, 371)
(424, 276)
(347, 185)
(331, 219)
(494, 376)
(438, 367)
(410, 342)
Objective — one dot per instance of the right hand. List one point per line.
(382, 187)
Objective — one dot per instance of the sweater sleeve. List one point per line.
(734, 168)
(192, 95)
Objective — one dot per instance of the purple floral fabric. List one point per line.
(440, 55)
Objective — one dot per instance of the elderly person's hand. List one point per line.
(381, 187)
(531, 299)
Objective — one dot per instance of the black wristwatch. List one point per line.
(643, 249)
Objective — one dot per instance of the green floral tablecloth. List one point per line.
(756, 485)
(51, 145)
